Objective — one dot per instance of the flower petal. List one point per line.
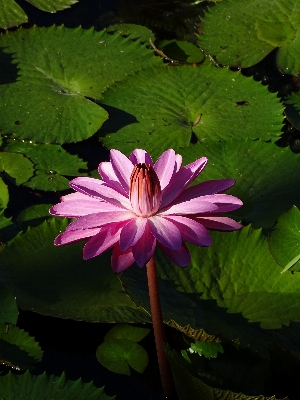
(219, 223)
(132, 232)
(143, 250)
(180, 257)
(108, 175)
(122, 167)
(193, 206)
(104, 240)
(121, 260)
(101, 190)
(77, 196)
(139, 156)
(191, 231)
(75, 208)
(178, 162)
(165, 167)
(74, 236)
(100, 219)
(206, 188)
(165, 232)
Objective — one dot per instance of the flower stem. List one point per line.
(159, 331)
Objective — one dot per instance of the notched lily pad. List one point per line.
(15, 167)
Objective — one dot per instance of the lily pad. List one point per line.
(242, 36)
(4, 196)
(157, 109)
(53, 5)
(9, 310)
(15, 167)
(11, 14)
(50, 99)
(128, 332)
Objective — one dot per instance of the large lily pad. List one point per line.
(15, 167)
(57, 281)
(11, 14)
(49, 101)
(243, 35)
(160, 108)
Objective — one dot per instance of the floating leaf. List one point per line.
(128, 332)
(57, 281)
(53, 5)
(11, 14)
(118, 354)
(48, 387)
(207, 349)
(34, 216)
(4, 196)
(134, 31)
(181, 51)
(48, 101)
(242, 36)
(9, 310)
(15, 167)
(221, 105)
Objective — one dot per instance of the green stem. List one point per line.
(159, 331)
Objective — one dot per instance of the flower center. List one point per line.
(145, 191)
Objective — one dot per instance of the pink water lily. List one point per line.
(139, 204)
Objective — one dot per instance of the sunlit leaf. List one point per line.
(11, 14)
(15, 167)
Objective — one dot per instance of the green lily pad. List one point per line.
(34, 216)
(212, 103)
(284, 241)
(57, 281)
(11, 14)
(15, 167)
(207, 349)
(293, 108)
(9, 310)
(181, 51)
(118, 354)
(128, 332)
(242, 36)
(53, 5)
(4, 196)
(51, 163)
(134, 31)
(48, 387)
(49, 99)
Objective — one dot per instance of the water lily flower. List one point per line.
(139, 204)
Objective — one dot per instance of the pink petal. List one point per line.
(165, 167)
(139, 156)
(219, 223)
(207, 188)
(193, 206)
(122, 167)
(108, 175)
(180, 257)
(165, 232)
(79, 208)
(121, 260)
(76, 196)
(143, 250)
(191, 231)
(196, 168)
(132, 232)
(74, 236)
(100, 219)
(101, 190)
(178, 162)
(104, 240)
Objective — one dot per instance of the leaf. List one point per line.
(207, 349)
(17, 348)
(242, 36)
(221, 106)
(56, 281)
(118, 354)
(128, 332)
(60, 83)
(34, 216)
(292, 109)
(51, 163)
(9, 310)
(134, 31)
(8, 230)
(48, 387)
(11, 14)
(15, 167)
(181, 51)
(53, 5)
(284, 240)
(4, 196)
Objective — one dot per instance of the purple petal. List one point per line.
(74, 236)
(165, 232)
(191, 231)
(165, 167)
(143, 250)
(196, 168)
(108, 175)
(193, 206)
(178, 162)
(121, 260)
(139, 156)
(207, 188)
(101, 190)
(132, 232)
(122, 167)
(104, 240)
(180, 257)
(79, 208)
(76, 196)
(219, 223)
(100, 219)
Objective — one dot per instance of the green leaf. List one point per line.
(53, 5)
(11, 14)
(15, 167)
(8, 230)
(48, 387)
(181, 51)
(57, 281)
(222, 105)
(242, 36)
(134, 31)
(60, 83)
(128, 332)
(207, 349)
(284, 241)
(17, 348)
(51, 163)
(9, 310)
(118, 354)
(292, 109)
(4, 196)
(34, 216)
